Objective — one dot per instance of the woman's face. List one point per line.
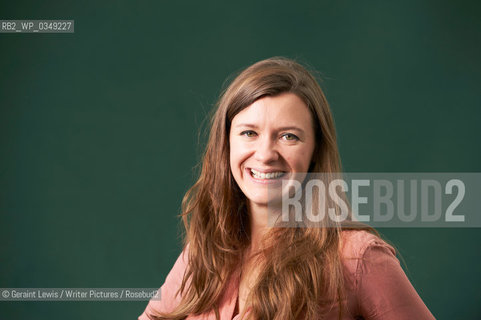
(270, 139)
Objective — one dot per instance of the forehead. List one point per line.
(281, 110)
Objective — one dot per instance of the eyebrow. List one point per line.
(249, 125)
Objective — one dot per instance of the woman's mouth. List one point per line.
(266, 175)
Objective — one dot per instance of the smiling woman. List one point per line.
(270, 139)
(272, 122)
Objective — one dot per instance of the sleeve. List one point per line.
(168, 291)
(383, 289)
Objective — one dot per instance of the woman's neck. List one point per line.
(258, 225)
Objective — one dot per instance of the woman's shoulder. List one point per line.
(176, 273)
(355, 243)
(169, 294)
(180, 264)
(376, 284)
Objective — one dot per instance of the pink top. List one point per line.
(376, 285)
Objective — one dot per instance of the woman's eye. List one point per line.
(290, 137)
(248, 133)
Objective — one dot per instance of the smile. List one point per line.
(266, 176)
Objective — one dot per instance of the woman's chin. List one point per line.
(270, 202)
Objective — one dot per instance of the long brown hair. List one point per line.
(295, 279)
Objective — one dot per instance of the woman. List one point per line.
(273, 122)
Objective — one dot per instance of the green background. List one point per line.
(99, 130)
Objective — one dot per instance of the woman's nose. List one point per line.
(266, 150)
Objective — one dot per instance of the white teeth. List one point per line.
(270, 175)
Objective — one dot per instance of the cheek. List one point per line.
(300, 160)
(238, 153)
(235, 159)
(232, 162)
(232, 152)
